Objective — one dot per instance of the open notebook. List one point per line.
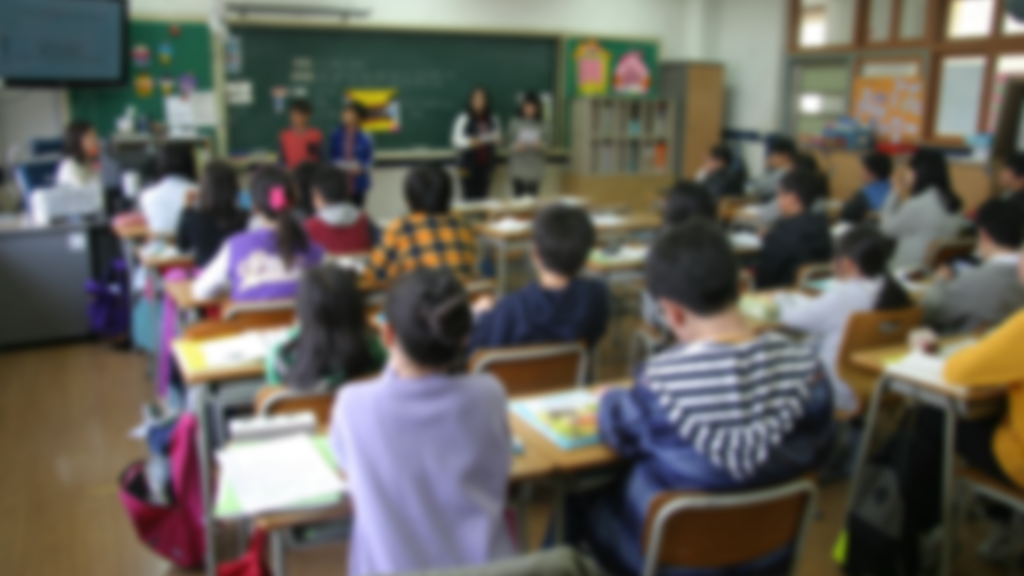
(568, 419)
(927, 368)
(249, 346)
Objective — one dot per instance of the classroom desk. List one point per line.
(953, 401)
(526, 207)
(501, 240)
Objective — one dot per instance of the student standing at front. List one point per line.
(427, 452)
(528, 139)
(352, 152)
(475, 135)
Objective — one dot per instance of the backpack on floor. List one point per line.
(173, 530)
(252, 563)
(109, 302)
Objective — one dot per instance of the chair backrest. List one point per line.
(275, 400)
(722, 530)
(943, 252)
(534, 369)
(236, 310)
(867, 330)
(213, 328)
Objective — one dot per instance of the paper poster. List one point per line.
(186, 84)
(383, 111)
(239, 93)
(592, 63)
(143, 85)
(233, 55)
(179, 116)
(204, 108)
(632, 76)
(166, 53)
(893, 106)
(141, 56)
(279, 94)
(167, 85)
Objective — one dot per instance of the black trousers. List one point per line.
(523, 188)
(476, 181)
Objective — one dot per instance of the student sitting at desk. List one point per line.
(429, 237)
(204, 227)
(560, 306)
(352, 151)
(800, 237)
(685, 201)
(163, 202)
(1011, 179)
(870, 199)
(339, 225)
(332, 343)
(300, 142)
(719, 175)
(695, 419)
(427, 453)
(930, 213)
(265, 261)
(782, 159)
(80, 167)
(862, 283)
(983, 296)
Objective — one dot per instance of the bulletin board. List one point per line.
(164, 55)
(894, 106)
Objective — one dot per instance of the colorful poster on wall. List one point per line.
(892, 105)
(383, 111)
(632, 75)
(592, 64)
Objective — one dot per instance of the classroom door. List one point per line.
(819, 95)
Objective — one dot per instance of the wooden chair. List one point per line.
(867, 330)
(275, 400)
(536, 368)
(943, 252)
(716, 531)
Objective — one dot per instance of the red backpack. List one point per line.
(174, 531)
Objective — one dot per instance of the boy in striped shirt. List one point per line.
(724, 409)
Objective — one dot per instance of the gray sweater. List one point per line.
(915, 224)
(526, 164)
(979, 298)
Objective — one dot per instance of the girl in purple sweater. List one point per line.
(427, 453)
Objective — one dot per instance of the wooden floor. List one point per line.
(65, 414)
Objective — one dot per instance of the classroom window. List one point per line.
(961, 83)
(912, 19)
(880, 22)
(891, 69)
(970, 18)
(821, 96)
(826, 22)
(1012, 26)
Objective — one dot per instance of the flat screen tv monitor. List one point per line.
(63, 42)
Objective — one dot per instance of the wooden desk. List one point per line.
(188, 355)
(134, 231)
(160, 263)
(952, 400)
(181, 294)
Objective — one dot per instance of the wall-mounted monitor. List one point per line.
(63, 42)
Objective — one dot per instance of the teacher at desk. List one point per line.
(475, 135)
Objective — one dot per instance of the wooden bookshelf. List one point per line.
(617, 137)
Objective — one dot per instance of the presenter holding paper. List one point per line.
(475, 135)
(528, 139)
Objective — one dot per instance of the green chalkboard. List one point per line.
(432, 72)
(189, 52)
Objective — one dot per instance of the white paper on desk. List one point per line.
(791, 299)
(745, 240)
(159, 250)
(204, 108)
(179, 115)
(250, 346)
(354, 263)
(570, 201)
(273, 474)
(604, 220)
(509, 225)
(921, 367)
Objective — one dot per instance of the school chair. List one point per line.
(730, 207)
(276, 400)
(977, 483)
(716, 531)
(536, 368)
(944, 252)
(868, 330)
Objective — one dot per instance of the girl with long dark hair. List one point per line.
(80, 167)
(265, 261)
(215, 215)
(475, 135)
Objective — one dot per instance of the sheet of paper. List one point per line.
(528, 136)
(239, 93)
(604, 220)
(273, 474)
(179, 116)
(204, 107)
(251, 346)
(921, 367)
(745, 240)
(509, 225)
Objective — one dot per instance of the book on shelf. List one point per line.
(568, 419)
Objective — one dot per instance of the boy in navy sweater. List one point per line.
(557, 307)
(800, 237)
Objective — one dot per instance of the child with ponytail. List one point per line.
(862, 284)
(426, 451)
(266, 261)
